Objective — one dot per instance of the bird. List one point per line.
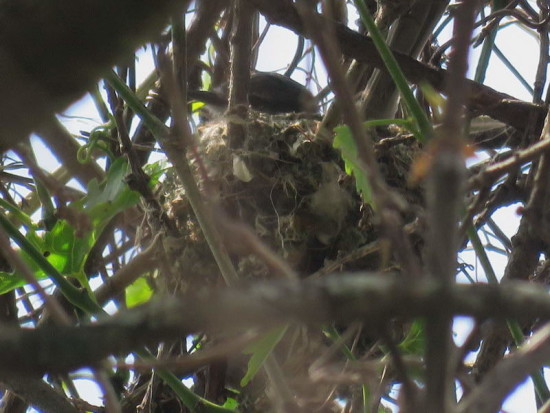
(268, 92)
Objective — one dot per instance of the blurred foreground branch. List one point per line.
(52, 52)
(368, 298)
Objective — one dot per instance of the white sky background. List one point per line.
(276, 52)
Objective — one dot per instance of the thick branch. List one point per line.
(37, 393)
(342, 298)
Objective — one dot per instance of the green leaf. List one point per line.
(414, 342)
(65, 247)
(260, 350)
(9, 281)
(196, 106)
(96, 142)
(155, 170)
(231, 403)
(139, 292)
(343, 140)
(113, 187)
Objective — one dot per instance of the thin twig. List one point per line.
(240, 43)
(489, 395)
(143, 262)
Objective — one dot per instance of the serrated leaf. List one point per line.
(343, 141)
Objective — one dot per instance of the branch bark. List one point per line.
(489, 395)
(37, 393)
(338, 298)
(52, 52)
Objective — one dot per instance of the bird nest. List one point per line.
(289, 187)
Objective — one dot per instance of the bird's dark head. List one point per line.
(268, 92)
(275, 93)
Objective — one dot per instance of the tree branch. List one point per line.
(482, 99)
(365, 297)
(489, 395)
